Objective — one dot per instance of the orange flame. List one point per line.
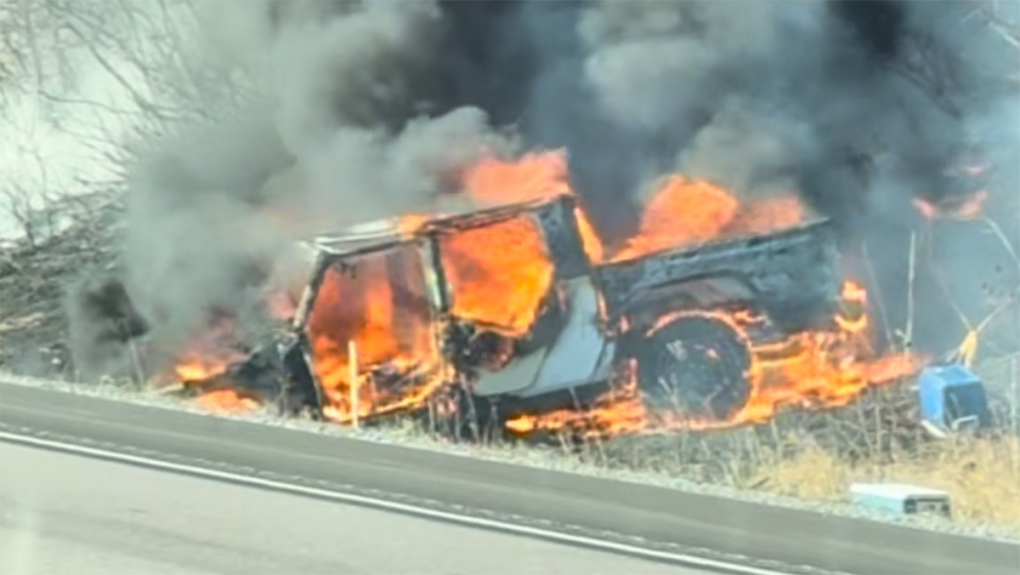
(536, 176)
(227, 401)
(360, 307)
(815, 369)
(685, 212)
(209, 353)
(682, 213)
(501, 274)
(197, 367)
(818, 369)
(533, 177)
(766, 215)
(205, 362)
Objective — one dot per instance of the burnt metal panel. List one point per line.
(301, 379)
(792, 274)
(347, 263)
(311, 291)
(558, 221)
(578, 354)
(435, 275)
(479, 218)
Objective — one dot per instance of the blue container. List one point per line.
(953, 397)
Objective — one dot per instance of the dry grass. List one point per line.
(815, 456)
(810, 474)
(981, 475)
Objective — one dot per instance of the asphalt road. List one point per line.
(687, 527)
(64, 513)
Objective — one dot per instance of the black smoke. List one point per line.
(103, 321)
(367, 109)
(878, 25)
(856, 105)
(860, 107)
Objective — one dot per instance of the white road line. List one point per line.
(688, 560)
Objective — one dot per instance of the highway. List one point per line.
(64, 513)
(293, 501)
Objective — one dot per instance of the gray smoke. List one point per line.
(371, 108)
(739, 91)
(858, 106)
(364, 67)
(336, 135)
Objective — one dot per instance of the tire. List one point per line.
(698, 365)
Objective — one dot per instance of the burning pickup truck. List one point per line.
(518, 313)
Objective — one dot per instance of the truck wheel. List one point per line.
(698, 365)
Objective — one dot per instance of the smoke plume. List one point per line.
(373, 107)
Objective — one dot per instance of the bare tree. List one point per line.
(101, 77)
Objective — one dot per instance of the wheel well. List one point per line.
(697, 363)
(693, 295)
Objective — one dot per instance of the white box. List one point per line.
(901, 498)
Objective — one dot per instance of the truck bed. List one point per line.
(792, 275)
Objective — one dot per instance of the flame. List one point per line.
(535, 176)
(201, 368)
(968, 348)
(508, 259)
(766, 215)
(209, 353)
(374, 337)
(227, 401)
(356, 309)
(814, 369)
(203, 365)
(682, 213)
(398, 366)
(196, 367)
(685, 212)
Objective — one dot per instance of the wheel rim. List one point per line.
(697, 365)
